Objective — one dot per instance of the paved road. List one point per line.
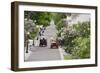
(45, 53)
(50, 32)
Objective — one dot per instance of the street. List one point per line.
(45, 53)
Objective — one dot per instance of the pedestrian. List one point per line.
(39, 33)
(36, 42)
(30, 44)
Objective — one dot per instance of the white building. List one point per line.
(74, 18)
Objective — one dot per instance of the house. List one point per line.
(74, 18)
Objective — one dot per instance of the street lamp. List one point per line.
(34, 21)
(27, 36)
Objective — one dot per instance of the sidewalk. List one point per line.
(61, 50)
(26, 55)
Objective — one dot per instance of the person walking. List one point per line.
(36, 42)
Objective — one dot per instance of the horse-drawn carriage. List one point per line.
(43, 41)
(54, 43)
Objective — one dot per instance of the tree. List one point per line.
(82, 41)
(58, 18)
(77, 42)
(39, 18)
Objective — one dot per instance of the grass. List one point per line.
(68, 57)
